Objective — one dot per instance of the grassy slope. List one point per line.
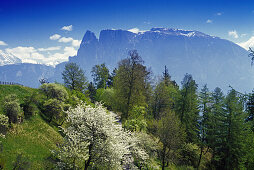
(20, 91)
(33, 138)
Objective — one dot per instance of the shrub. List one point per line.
(3, 124)
(56, 91)
(12, 108)
(53, 109)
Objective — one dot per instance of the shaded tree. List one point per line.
(74, 77)
(130, 83)
(100, 75)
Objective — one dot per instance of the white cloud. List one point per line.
(2, 43)
(219, 13)
(134, 30)
(75, 43)
(147, 22)
(65, 39)
(248, 43)
(243, 35)
(26, 54)
(55, 37)
(33, 55)
(209, 21)
(233, 34)
(67, 28)
(50, 48)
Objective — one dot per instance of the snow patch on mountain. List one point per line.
(7, 58)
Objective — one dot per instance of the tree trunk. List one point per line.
(163, 157)
(200, 156)
(90, 157)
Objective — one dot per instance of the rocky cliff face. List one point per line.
(209, 59)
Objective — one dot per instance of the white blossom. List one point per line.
(94, 134)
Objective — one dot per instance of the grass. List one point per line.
(20, 91)
(33, 139)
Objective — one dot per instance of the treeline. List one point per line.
(9, 83)
(147, 124)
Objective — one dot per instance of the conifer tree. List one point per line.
(187, 108)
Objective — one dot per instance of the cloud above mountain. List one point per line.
(67, 28)
(55, 37)
(233, 34)
(42, 55)
(248, 43)
(2, 43)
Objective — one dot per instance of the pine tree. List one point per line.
(187, 108)
(205, 102)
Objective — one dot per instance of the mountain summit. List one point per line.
(210, 59)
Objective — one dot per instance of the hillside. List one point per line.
(33, 139)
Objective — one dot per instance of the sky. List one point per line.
(49, 31)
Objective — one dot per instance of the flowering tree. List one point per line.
(94, 138)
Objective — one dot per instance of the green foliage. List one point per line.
(74, 77)
(107, 97)
(20, 91)
(53, 90)
(3, 123)
(100, 75)
(130, 83)
(164, 98)
(53, 109)
(136, 120)
(188, 108)
(91, 90)
(189, 155)
(12, 108)
(171, 135)
(21, 163)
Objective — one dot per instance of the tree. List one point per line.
(205, 122)
(234, 147)
(100, 75)
(131, 82)
(74, 77)
(53, 90)
(12, 108)
(187, 108)
(171, 136)
(95, 139)
(163, 98)
(53, 108)
(91, 92)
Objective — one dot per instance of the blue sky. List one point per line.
(26, 26)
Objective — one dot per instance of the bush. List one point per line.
(53, 108)
(56, 91)
(3, 124)
(12, 108)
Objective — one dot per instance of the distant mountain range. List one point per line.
(209, 59)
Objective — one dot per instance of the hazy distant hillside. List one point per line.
(25, 73)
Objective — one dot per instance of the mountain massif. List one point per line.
(211, 60)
